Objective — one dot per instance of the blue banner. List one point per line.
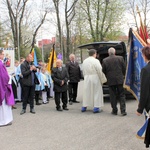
(35, 58)
(134, 66)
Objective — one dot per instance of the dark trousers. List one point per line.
(63, 97)
(14, 88)
(117, 91)
(28, 95)
(21, 84)
(37, 94)
(48, 93)
(73, 88)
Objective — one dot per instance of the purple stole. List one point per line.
(5, 88)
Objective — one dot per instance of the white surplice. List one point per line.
(5, 114)
(93, 81)
(6, 111)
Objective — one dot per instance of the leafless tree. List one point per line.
(16, 12)
(56, 5)
(37, 28)
(69, 15)
(21, 21)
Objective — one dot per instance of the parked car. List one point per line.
(102, 52)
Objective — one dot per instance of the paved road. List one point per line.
(49, 129)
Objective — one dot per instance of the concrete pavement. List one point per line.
(49, 129)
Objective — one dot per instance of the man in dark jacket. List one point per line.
(114, 69)
(60, 78)
(28, 71)
(74, 77)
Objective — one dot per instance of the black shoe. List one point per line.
(124, 114)
(22, 112)
(38, 103)
(76, 102)
(32, 111)
(65, 108)
(114, 113)
(70, 103)
(59, 109)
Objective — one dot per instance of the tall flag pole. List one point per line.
(52, 59)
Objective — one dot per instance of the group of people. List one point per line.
(37, 81)
(66, 79)
(111, 71)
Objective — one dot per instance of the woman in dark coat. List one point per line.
(144, 103)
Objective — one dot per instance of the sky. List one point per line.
(48, 29)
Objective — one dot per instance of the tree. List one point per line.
(2, 35)
(16, 12)
(144, 9)
(56, 5)
(69, 12)
(103, 17)
(22, 21)
(69, 15)
(37, 28)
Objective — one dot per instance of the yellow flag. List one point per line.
(52, 60)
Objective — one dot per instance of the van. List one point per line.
(102, 52)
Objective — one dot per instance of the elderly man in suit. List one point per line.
(74, 77)
(60, 78)
(114, 69)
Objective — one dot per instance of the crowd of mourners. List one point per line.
(29, 83)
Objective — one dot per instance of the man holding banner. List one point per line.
(137, 79)
(134, 65)
(144, 102)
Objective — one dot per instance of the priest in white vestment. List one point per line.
(93, 81)
(6, 95)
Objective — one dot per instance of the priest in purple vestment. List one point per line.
(6, 95)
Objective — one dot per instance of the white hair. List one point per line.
(72, 55)
(59, 60)
(111, 51)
